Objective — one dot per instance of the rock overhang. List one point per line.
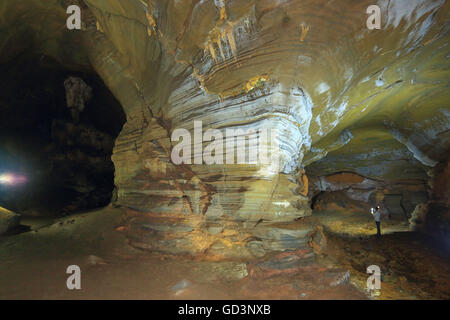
(345, 98)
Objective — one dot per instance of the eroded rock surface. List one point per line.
(8, 220)
(342, 97)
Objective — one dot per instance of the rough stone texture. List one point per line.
(353, 192)
(436, 219)
(283, 263)
(66, 166)
(343, 97)
(78, 94)
(8, 220)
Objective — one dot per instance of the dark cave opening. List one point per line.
(315, 198)
(65, 163)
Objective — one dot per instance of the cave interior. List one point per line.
(87, 171)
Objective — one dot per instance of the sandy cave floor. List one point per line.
(33, 265)
(413, 266)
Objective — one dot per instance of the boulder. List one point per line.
(8, 220)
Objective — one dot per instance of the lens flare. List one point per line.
(12, 179)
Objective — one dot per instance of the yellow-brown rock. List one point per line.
(343, 98)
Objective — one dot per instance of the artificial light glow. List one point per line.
(11, 179)
(5, 178)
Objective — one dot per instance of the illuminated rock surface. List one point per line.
(342, 97)
(8, 220)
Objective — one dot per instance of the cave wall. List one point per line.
(342, 97)
(351, 192)
(436, 212)
(66, 164)
(375, 99)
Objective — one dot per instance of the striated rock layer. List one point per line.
(341, 97)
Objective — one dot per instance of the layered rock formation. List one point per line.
(342, 98)
(399, 198)
(433, 216)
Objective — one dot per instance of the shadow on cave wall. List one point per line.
(67, 163)
(350, 192)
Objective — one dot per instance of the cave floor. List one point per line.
(413, 266)
(358, 224)
(33, 266)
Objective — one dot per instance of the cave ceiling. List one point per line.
(343, 97)
(353, 96)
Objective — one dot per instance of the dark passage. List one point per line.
(53, 162)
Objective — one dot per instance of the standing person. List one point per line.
(377, 216)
